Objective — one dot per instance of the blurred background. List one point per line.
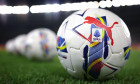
(21, 16)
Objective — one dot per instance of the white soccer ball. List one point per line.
(10, 46)
(93, 44)
(19, 44)
(41, 44)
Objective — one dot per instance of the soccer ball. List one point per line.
(10, 46)
(93, 44)
(41, 44)
(19, 44)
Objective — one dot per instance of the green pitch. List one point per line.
(19, 70)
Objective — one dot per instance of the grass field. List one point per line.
(19, 70)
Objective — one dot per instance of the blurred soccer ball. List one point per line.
(41, 44)
(93, 44)
(10, 46)
(19, 44)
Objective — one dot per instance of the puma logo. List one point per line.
(96, 22)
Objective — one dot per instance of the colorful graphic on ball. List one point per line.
(127, 51)
(61, 44)
(100, 35)
(44, 43)
(97, 48)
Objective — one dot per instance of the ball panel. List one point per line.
(108, 71)
(117, 47)
(124, 34)
(77, 62)
(75, 42)
(65, 59)
(117, 59)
